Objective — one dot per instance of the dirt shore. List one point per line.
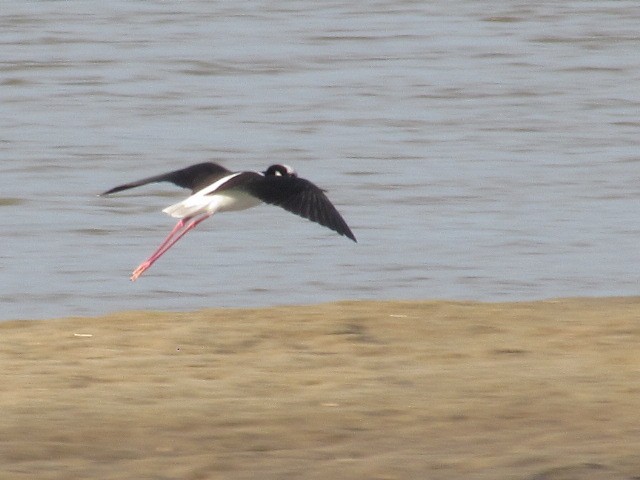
(545, 390)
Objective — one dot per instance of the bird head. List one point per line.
(280, 170)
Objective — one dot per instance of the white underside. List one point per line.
(201, 202)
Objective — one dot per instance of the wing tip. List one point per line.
(109, 192)
(350, 236)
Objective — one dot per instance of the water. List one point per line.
(478, 151)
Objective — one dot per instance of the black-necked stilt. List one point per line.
(216, 189)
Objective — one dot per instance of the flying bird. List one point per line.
(216, 189)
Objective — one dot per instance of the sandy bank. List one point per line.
(354, 390)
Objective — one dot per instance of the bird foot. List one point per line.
(140, 270)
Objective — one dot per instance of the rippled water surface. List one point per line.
(478, 152)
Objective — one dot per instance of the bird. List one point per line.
(216, 189)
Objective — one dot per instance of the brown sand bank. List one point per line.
(354, 390)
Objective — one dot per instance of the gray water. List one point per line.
(478, 150)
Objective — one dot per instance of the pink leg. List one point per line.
(178, 226)
(179, 231)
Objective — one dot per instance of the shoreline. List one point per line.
(543, 389)
(116, 313)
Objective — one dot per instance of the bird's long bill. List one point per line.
(179, 231)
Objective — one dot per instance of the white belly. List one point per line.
(198, 203)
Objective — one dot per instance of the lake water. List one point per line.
(478, 150)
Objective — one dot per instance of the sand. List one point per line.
(352, 390)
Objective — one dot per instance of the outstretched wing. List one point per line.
(194, 177)
(298, 196)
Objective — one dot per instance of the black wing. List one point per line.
(195, 177)
(295, 195)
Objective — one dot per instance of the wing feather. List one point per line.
(298, 196)
(194, 177)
